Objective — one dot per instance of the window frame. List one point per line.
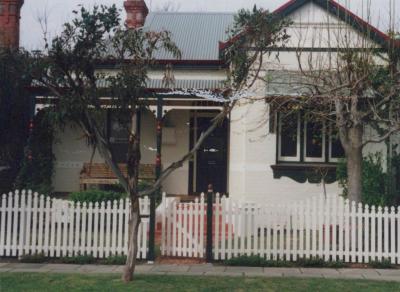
(298, 148)
(301, 156)
(323, 150)
(330, 158)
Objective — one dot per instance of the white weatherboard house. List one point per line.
(248, 157)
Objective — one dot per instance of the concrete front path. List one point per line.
(208, 270)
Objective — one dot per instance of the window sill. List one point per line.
(303, 172)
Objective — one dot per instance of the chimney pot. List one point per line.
(136, 13)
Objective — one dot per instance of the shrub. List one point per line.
(142, 185)
(115, 260)
(79, 260)
(375, 181)
(383, 264)
(335, 265)
(312, 262)
(319, 263)
(33, 258)
(247, 261)
(257, 261)
(96, 196)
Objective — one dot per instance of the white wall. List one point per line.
(252, 148)
(177, 183)
(71, 152)
(253, 151)
(313, 26)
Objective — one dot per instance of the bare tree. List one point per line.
(42, 17)
(352, 84)
(355, 87)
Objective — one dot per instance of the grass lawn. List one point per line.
(74, 282)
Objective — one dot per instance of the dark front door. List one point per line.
(211, 160)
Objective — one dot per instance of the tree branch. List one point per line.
(164, 175)
(383, 137)
(104, 149)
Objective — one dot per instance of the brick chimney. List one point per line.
(9, 22)
(136, 11)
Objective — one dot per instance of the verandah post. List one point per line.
(151, 256)
(210, 199)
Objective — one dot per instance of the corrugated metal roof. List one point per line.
(196, 34)
(187, 84)
(207, 84)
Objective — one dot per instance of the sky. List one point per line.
(60, 11)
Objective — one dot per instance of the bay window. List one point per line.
(307, 140)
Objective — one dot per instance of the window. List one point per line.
(314, 141)
(289, 137)
(307, 140)
(118, 135)
(336, 150)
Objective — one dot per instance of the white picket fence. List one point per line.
(34, 224)
(330, 228)
(183, 228)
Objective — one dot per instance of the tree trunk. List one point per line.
(354, 164)
(134, 222)
(133, 160)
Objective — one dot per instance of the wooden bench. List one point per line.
(101, 174)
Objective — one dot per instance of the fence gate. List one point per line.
(183, 228)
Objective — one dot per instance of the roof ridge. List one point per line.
(191, 12)
(356, 21)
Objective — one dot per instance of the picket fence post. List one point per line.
(197, 235)
(366, 234)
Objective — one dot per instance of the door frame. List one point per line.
(194, 114)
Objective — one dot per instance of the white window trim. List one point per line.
(314, 159)
(289, 158)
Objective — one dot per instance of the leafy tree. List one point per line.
(37, 167)
(15, 69)
(68, 69)
(253, 36)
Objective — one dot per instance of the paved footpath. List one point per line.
(209, 270)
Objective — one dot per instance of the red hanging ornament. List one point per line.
(158, 160)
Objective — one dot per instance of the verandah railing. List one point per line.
(34, 224)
